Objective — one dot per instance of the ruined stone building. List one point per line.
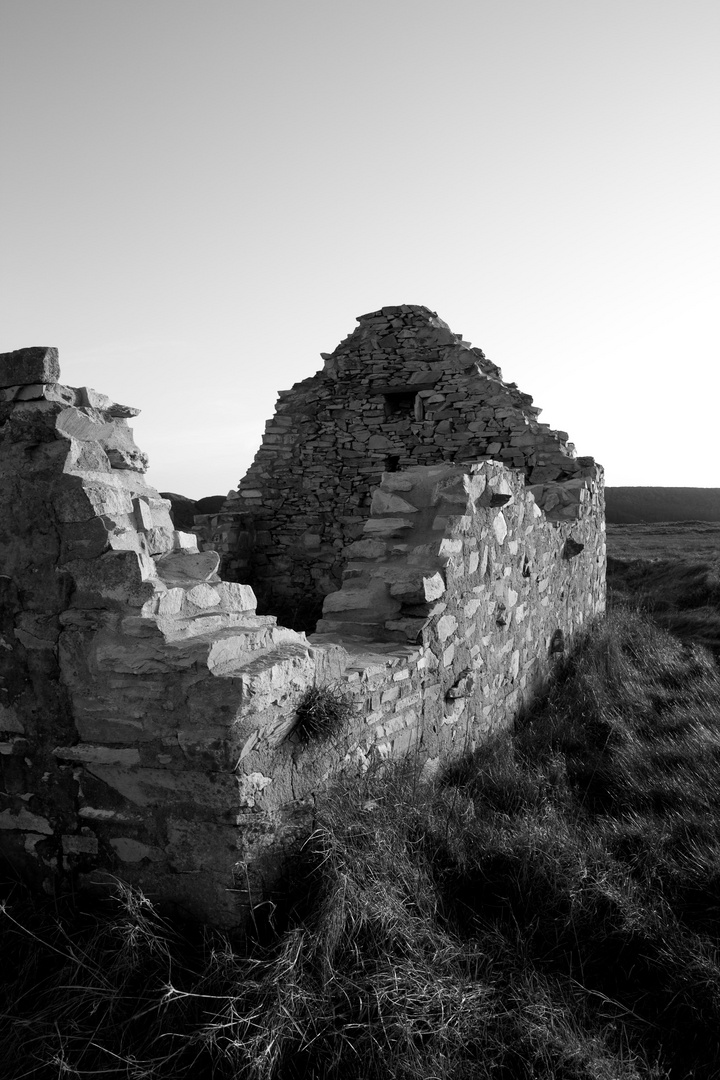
(401, 391)
(149, 714)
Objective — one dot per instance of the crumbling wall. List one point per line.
(465, 563)
(400, 391)
(148, 715)
(125, 663)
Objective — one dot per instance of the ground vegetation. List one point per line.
(548, 908)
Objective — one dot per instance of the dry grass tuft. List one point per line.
(322, 711)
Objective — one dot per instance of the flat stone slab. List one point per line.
(24, 367)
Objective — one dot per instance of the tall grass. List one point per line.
(682, 597)
(550, 908)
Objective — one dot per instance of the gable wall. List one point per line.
(401, 391)
(148, 714)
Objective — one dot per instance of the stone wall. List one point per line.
(125, 663)
(149, 715)
(399, 392)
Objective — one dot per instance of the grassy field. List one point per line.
(549, 909)
(670, 572)
(682, 541)
(646, 504)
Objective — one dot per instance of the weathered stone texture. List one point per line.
(147, 712)
(482, 583)
(125, 663)
(28, 368)
(401, 391)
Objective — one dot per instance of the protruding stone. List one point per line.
(24, 367)
(433, 587)
(384, 503)
(500, 527)
(91, 399)
(572, 548)
(179, 567)
(117, 578)
(386, 526)
(203, 596)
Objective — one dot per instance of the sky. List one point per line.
(199, 196)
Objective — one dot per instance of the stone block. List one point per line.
(397, 482)
(385, 503)
(23, 367)
(446, 626)
(202, 596)
(187, 567)
(117, 578)
(433, 587)
(84, 540)
(235, 597)
(386, 526)
(161, 541)
(449, 549)
(500, 527)
(80, 498)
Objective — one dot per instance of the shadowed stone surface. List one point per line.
(147, 711)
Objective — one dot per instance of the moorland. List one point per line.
(549, 908)
(658, 504)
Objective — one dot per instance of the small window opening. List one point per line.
(392, 463)
(400, 404)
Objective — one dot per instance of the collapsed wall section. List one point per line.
(399, 392)
(464, 563)
(125, 664)
(149, 715)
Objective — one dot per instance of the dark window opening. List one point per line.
(400, 404)
(392, 463)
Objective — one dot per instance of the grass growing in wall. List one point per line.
(322, 711)
(550, 909)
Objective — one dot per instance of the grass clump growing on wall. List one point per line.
(322, 711)
(548, 910)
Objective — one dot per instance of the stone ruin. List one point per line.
(401, 391)
(149, 714)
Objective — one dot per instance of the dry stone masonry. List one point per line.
(147, 711)
(399, 392)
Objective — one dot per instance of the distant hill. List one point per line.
(629, 505)
(184, 510)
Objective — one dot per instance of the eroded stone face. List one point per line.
(147, 712)
(28, 368)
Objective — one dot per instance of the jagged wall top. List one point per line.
(401, 391)
(408, 338)
(148, 713)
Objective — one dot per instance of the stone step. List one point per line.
(192, 600)
(225, 648)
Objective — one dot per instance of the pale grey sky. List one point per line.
(199, 196)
